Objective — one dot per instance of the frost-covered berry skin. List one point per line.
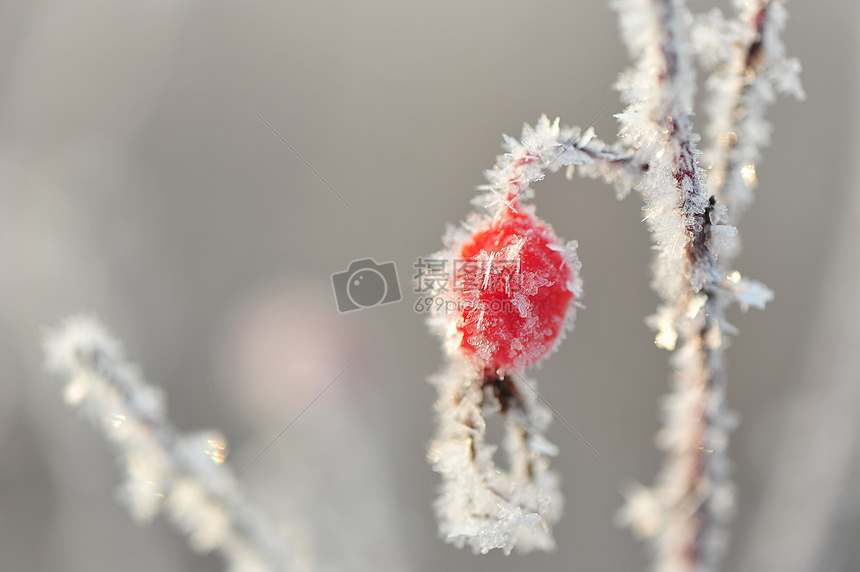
(515, 291)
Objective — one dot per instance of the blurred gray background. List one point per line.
(136, 185)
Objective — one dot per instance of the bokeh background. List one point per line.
(136, 185)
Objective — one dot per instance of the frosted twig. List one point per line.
(684, 515)
(616, 165)
(548, 147)
(481, 504)
(748, 67)
(182, 475)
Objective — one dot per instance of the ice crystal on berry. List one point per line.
(517, 291)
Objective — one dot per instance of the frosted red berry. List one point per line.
(515, 288)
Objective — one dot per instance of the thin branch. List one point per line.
(744, 81)
(182, 475)
(482, 504)
(692, 492)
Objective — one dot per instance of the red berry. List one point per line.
(515, 287)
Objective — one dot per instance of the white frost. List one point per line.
(482, 504)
